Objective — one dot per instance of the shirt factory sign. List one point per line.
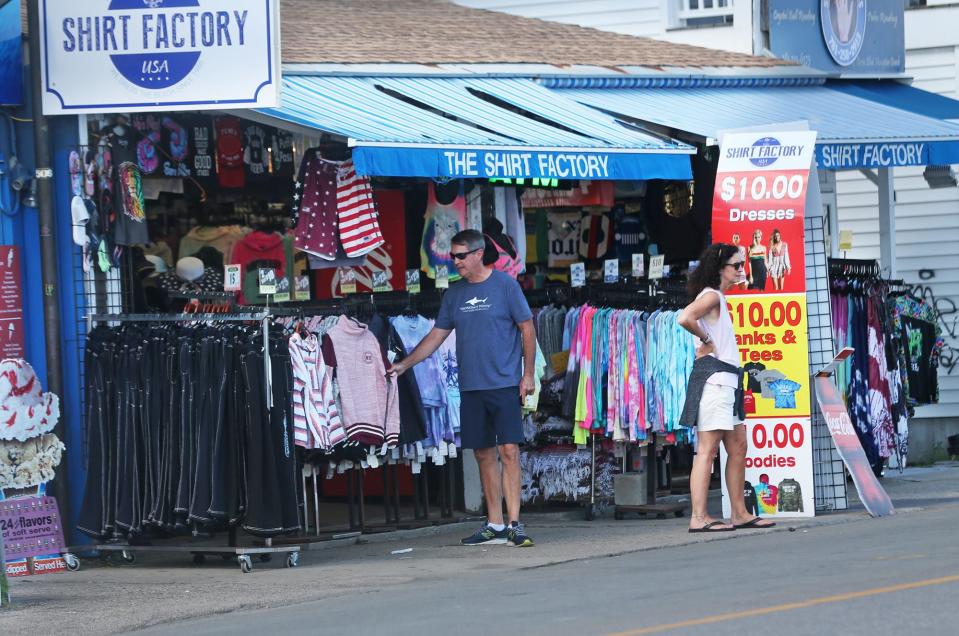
(842, 36)
(587, 165)
(138, 55)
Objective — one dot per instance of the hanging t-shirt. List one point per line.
(200, 128)
(442, 222)
(122, 144)
(629, 235)
(314, 200)
(148, 138)
(356, 215)
(283, 166)
(919, 337)
(176, 148)
(256, 157)
(563, 238)
(229, 153)
(784, 393)
(595, 235)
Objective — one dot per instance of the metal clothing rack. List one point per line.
(243, 554)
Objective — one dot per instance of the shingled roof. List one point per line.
(438, 32)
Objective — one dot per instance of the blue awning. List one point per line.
(475, 128)
(901, 96)
(853, 132)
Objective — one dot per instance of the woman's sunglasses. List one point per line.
(737, 265)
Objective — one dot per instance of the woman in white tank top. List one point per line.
(708, 319)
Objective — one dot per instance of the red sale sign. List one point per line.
(758, 205)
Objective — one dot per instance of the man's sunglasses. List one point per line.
(462, 255)
(738, 265)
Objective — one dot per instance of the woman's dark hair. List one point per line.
(711, 262)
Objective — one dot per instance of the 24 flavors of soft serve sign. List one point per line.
(761, 185)
(103, 55)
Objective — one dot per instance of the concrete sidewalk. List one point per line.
(109, 596)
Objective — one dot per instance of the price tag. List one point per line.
(302, 290)
(611, 270)
(347, 280)
(639, 265)
(845, 240)
(656, 266)
(282, 294)
(692, 266)
(381, 281)
(666, 270)
(267, 277)
(232, 278)
(413, 281)
(577, 275)
(442, 277)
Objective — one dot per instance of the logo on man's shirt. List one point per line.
(475, 304)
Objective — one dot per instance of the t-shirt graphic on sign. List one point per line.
(752, 370)
(256, 157)
(229, 153)
(752, 502)
(766, 378)
(563, 238)
(767, 497)
(482, 313)
(630, 235)
(790, 496)
(176, 142)
(784, 393)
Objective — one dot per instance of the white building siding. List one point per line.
(927, 220)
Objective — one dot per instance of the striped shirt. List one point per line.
(316, 420)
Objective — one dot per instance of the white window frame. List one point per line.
(683, 10)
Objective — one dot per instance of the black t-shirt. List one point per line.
(919, 337)
(752, 369)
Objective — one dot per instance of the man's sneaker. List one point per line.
(486, 536)
(516, 536)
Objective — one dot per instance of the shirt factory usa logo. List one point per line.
(843, 28)
(154, 44)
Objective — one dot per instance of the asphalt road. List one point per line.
(897, 575)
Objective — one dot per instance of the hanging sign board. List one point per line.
(656, 266)
(611, 270)
(148, 55)
(577, 275)
(759, 205)
(11, 304)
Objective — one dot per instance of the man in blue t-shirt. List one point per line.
(495, 350)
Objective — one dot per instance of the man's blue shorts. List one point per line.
(490, 418)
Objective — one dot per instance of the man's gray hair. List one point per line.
(472, 239)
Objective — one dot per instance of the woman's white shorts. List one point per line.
(716, 409)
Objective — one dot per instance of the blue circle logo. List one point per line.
(162, 68)
(843, 28)
(765, 152)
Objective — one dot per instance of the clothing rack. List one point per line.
(242, 554)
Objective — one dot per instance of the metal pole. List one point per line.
(48, 249)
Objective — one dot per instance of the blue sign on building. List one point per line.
(11, 54)
(848, 37)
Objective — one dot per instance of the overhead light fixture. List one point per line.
(940, 177)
